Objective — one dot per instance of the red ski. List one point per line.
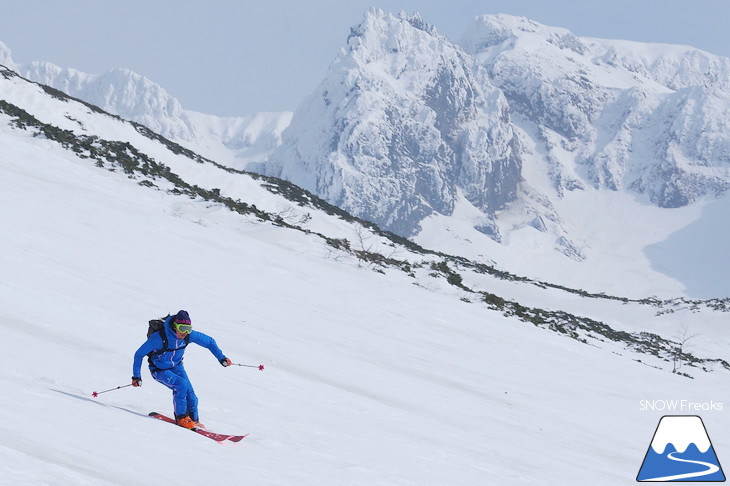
(210, 435)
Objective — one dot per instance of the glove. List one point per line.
(226, 362)
(136, 381)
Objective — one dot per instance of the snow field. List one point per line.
(369, 378)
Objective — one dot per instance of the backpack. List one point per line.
(158, 325)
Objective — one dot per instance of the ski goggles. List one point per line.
(184, 327)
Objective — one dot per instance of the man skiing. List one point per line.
(165, 360)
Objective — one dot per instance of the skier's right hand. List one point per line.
(136, 381)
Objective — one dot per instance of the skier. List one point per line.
(165, 360)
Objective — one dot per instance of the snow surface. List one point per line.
(632, 248)
(372, 378)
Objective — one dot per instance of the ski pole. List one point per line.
(260, 367)
(96, 394)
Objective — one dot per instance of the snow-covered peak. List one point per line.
(120, 91)
(234, 141)
(674, 66)
(5, 58)
(613, 114)
(506, 30)
(378, 24)
(603, 60)
(401, 120)
(403, 51)
(547, 54)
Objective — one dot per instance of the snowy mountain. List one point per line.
(498, 138)
(493, 148)
(401, 124)
(6, 57)
(386, 363)
(235, 141)
(119, 91)
(619, 115)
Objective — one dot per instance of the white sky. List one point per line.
(235, 57)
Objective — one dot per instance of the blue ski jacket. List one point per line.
(173, 356)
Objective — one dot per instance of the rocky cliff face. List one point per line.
(615, 115)
(403, 120)
(406, 121)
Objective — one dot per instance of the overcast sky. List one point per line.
(235, 57)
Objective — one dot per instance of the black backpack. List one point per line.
(158, 325)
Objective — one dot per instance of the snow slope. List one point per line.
(372, 377)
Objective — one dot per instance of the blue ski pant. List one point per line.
(184, 399)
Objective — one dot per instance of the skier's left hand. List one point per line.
(226, 362)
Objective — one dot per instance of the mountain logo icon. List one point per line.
(680, 451)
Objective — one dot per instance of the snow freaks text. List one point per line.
(681, 406)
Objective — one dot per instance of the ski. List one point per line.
(210, 435)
